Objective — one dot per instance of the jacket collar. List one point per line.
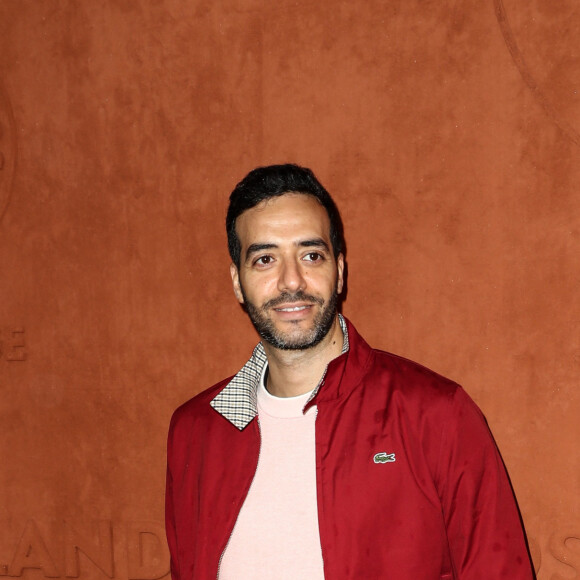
(237, 401)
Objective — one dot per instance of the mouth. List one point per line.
(293, 308)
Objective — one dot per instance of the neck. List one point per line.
(295, 372)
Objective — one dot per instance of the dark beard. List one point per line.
(267, 330)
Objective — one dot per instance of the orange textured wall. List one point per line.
(449, 133)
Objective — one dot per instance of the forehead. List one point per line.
(292, 215)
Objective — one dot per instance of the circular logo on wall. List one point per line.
(7, 150)
(542, 39)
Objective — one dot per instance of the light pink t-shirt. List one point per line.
(276, 535)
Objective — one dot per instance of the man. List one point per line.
(325, 458)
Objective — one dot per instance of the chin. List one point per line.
(301, 340)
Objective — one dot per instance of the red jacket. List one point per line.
(410, 483)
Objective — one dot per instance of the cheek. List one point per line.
(331, 278)
(259, 288)
(268, 288)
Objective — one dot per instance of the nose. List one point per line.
(291, 277)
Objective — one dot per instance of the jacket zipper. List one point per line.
(248, 491)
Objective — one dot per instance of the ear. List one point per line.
(340, 273)
(235, 274)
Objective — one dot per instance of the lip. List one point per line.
(293, 307)
(291, 315)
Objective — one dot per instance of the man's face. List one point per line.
(288, 278)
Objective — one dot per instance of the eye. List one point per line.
(263, 261)
(313, 257)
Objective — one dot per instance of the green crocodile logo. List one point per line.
(384, 458)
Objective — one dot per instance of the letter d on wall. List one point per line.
(147, 552)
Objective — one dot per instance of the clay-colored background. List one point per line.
(449, 133)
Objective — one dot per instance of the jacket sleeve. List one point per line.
(484, 530)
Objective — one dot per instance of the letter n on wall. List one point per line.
(97, 547)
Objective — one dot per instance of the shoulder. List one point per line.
(384, 372)
(424, 394)
(408, 376)
(197, 409)
(391, 381)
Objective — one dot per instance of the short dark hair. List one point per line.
(274, 181)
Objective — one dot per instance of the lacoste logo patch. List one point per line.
(384, 457)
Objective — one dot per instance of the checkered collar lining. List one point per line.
(237, 401)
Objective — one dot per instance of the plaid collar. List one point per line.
(237, 401)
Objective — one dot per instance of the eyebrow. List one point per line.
(313, 243)
(253, 248)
